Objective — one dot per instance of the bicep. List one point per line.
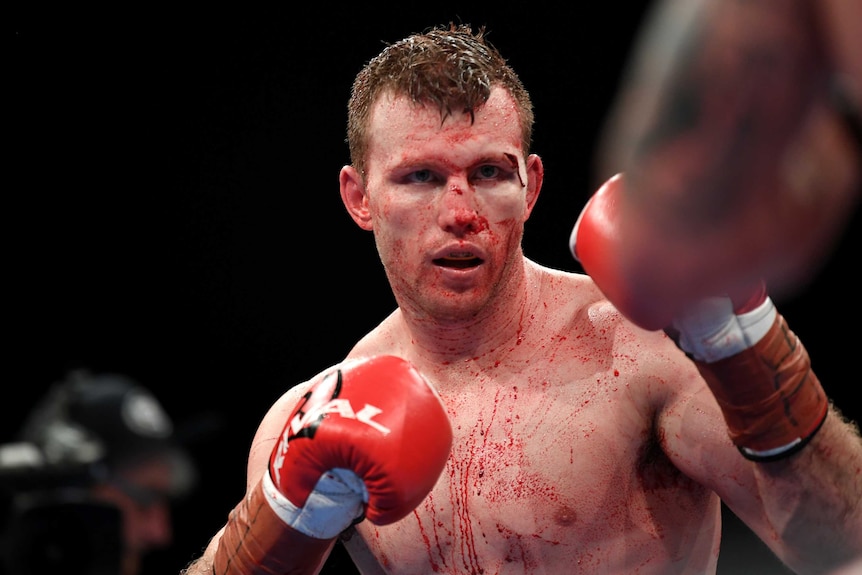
(685, 416)
(269, 430)
(694, 435)
(695, 438)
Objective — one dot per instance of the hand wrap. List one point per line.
(367, 440)
(760, 374)
(257, 542)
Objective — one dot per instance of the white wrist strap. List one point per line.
(338, 499)
(710, 331)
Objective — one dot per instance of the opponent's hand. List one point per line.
(368, 440)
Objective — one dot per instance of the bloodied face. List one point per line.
(446, 197)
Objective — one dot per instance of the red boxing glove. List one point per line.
(596, 243)
(757, 369)
(369, 439)
(650, 279)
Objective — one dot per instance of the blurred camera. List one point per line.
(51, 524)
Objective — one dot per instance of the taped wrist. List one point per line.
(772, 401)
(257, 542)
(713, 329)
(337, 502)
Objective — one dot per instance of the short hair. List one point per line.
(450, 67)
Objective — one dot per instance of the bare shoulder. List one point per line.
(577, 289)
(662, 383)
(272, 424)
(657, 357)
(584, 310)
(387, 337)
(582, 301)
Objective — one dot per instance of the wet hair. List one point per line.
(451, 68)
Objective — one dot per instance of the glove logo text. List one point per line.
(320, 401)
(323, 399)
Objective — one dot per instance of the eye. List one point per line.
(487, 172)
(421, 176)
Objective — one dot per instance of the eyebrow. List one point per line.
(435, 162)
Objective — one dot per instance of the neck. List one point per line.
(495, 331)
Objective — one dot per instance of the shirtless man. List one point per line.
(533, 428)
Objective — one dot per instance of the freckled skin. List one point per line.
(566, 471)
(456, 210)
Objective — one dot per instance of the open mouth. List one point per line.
(456, 262)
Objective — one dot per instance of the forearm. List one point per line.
(711, 85)
(255, 541)
(813, 500)
(806, 458)
(203, 565)
(738, 157)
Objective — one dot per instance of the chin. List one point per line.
(454, 306)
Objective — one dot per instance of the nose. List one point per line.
(458, 211)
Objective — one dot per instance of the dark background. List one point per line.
(175, 212)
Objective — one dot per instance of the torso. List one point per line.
(556, 465)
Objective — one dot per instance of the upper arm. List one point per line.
(769, 498)
(269, 431)
(694, 435)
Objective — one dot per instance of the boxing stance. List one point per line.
(580, 442)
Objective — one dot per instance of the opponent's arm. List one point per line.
(805, 460)
(367, 440)
(734, 144)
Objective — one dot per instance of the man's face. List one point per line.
(447, 201)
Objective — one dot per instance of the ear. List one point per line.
(535, 177)
(354, 198)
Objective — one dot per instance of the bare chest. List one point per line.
(535, 459)
(543, 472)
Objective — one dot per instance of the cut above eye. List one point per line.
(459, 262)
